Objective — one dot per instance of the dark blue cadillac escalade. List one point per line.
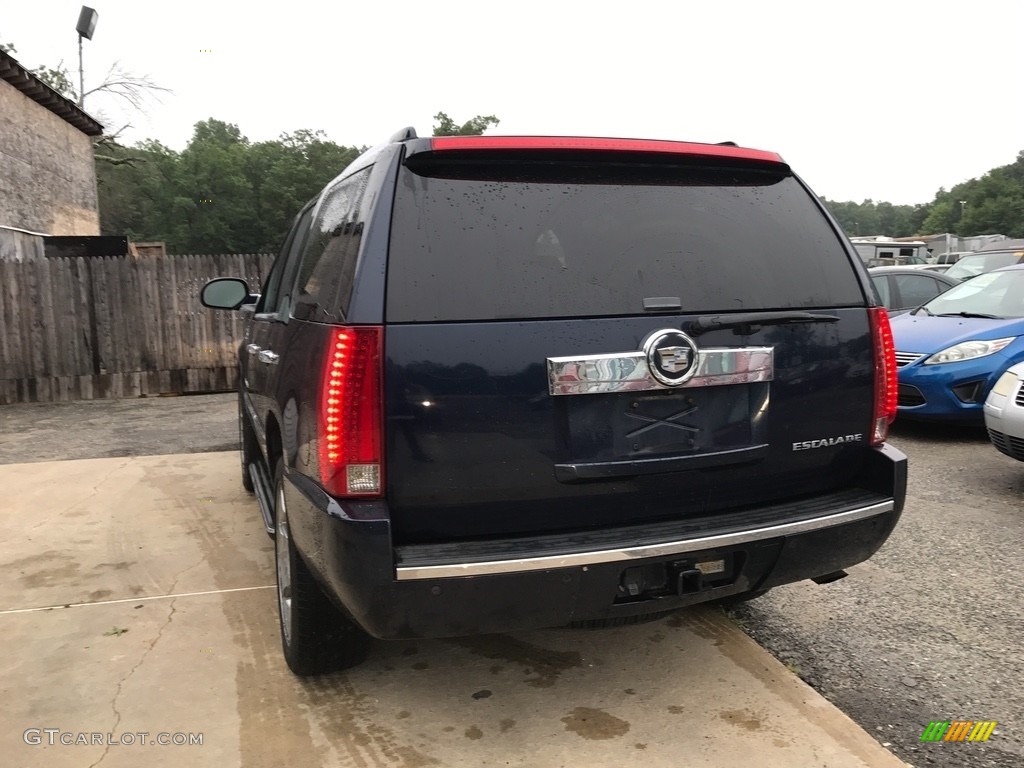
(498, 383)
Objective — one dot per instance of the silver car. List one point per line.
(1004, 413)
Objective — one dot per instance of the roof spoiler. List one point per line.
(405, 134)
(589, 143)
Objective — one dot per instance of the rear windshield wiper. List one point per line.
(714, 322)
(971, 314)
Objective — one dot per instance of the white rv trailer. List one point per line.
(886, 252)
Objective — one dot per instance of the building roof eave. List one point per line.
(30, 85)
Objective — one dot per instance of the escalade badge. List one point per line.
(671, 356)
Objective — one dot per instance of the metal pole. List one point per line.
(81, 75)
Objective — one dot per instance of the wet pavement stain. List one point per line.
(114, 566)
(640, 745)
(496, 668)
(403, 714)
(484, 694)
(506, 725)
(541, 665)
(412, 758)
(50, 576)
(704, 624)
(675, 709)
(591, 723)
(742, 718)
(421, 665)
(474, 733)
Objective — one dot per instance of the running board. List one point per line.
(264, 493)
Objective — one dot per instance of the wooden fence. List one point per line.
(101, 327)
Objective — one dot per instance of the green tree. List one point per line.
(995, 202)
(215, 199)
(222, 193)
(473, 127)
(137, 189)
(992, 204)
(943, 216)
(59, 79)
(882, 218)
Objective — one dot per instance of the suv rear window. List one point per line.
(528, 239)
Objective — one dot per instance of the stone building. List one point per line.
(47, 171)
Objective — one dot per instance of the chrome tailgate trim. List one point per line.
(623, 554)
(629, 371)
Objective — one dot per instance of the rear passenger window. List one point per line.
(275, 293)
(324, 282)
(915, 290)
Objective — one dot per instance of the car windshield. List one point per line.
(970, 266)
(993, 294)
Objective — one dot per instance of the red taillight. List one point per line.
(886, 382)
(350, 439)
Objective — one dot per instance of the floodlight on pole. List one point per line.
(86, 26)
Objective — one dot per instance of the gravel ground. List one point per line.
(137, 427)
(932, 627)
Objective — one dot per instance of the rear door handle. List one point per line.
(252, 349)
(267, 356)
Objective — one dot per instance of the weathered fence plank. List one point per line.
(33, 330)
(9, 349)
(85, 328)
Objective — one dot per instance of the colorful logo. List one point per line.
(959, 730)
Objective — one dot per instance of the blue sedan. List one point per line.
(951, 350)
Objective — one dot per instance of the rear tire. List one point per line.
(247, 445)
(315, 636)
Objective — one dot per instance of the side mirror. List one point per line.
(226, 293)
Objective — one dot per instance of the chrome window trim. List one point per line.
(629, 371)
(680, 547)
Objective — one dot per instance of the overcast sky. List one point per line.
(882, 99)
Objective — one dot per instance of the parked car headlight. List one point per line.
(968, 350)
(1006, 384)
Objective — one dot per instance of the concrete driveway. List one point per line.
(136, 597)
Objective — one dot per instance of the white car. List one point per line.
(1004, 413)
